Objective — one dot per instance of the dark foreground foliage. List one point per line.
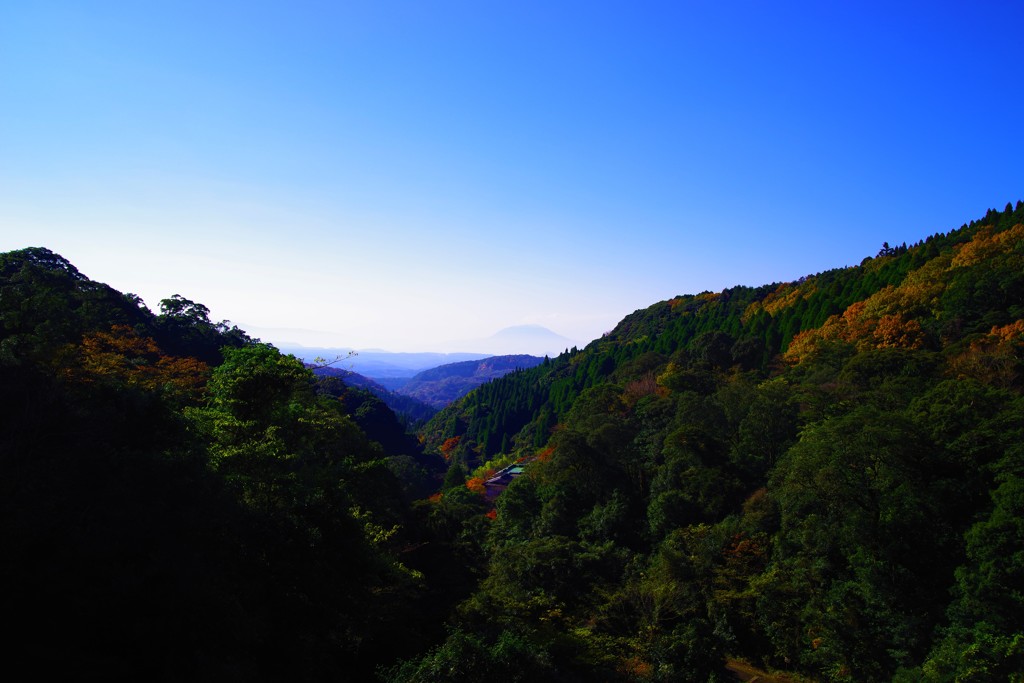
(180, 502)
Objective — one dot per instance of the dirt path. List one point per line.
(742, 671)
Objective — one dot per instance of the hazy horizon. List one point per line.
(543, 342)
(400, 175)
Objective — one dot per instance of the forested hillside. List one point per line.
(410, 410)
(440, 386)
(822, 477)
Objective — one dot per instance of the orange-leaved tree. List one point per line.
(123, 357)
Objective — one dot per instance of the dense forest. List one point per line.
(437, 387)
(823, 479)
(411, 411)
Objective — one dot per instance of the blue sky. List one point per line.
(403, 174)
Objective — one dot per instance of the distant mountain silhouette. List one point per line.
(536, 340)
(379, 364)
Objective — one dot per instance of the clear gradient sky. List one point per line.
(401, 174)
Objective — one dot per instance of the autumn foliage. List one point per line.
(997, 358)
(449, 445)
(124, 357)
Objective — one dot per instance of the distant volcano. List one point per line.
(533, 339)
